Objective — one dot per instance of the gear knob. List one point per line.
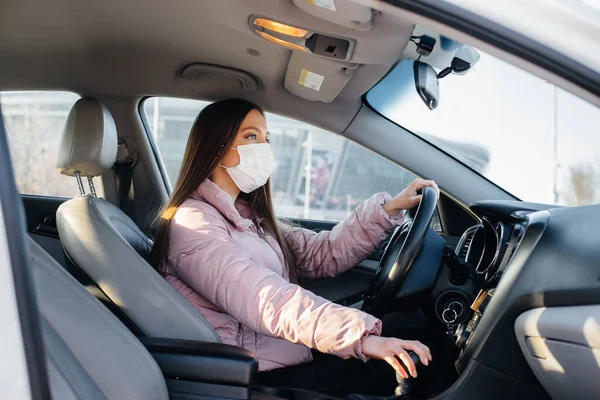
(405, 385)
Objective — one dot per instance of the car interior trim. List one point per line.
(22, 280)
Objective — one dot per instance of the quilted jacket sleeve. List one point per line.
(218, 267)
(329, 253)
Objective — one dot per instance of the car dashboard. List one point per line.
(489, 247)
(526, 257)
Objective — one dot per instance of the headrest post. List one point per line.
(79, 182)
(91, 184)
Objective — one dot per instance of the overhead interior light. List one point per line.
(278, 27)
(282, 34)
(280, 42)
(301, 39)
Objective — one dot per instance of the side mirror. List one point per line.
(426, 83)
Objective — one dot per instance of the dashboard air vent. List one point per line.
(464, 245)
(464, 251)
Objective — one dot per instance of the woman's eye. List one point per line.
(252, 137)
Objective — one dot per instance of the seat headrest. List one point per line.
(89, 140)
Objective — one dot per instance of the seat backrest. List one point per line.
(89, 353)
(107, 245)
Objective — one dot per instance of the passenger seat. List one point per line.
(104, 243)
(89, 353)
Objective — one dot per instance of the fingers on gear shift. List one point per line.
(404, 387)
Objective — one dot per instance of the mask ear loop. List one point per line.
(232, 148)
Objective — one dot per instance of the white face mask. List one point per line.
(255, 167)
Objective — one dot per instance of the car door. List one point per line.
(34, 124)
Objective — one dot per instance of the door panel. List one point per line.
(342, 288)
(318, 226)
(40, 212)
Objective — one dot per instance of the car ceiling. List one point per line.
(137, 48)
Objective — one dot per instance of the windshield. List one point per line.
(536, 141)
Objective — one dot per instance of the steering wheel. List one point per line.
(400, 254)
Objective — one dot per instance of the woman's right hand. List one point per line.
(388, 349)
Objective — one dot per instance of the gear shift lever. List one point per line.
(404, 387)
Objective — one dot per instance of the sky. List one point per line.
(511, 113)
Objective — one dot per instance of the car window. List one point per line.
(318, 175)
(537, 141)
(34, 124)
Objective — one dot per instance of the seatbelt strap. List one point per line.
(123, 170)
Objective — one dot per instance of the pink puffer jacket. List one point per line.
(238, 282)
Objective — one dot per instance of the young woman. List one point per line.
(220, 245)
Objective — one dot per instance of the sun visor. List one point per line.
(317, 78)
(340, 12)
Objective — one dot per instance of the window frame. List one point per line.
(153, 145)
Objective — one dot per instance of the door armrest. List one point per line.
(205, 362)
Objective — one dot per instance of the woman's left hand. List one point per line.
(408, 198)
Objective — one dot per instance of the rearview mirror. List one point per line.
(408, 82)
(426, 83)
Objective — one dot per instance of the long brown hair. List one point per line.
(215, 129)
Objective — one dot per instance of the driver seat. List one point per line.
(106, 245)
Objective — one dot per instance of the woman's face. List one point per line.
(252, 130)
